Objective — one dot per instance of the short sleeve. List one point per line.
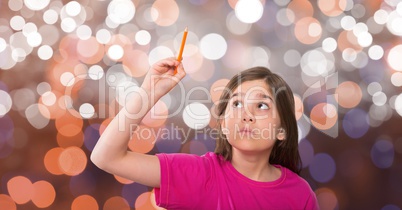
(312, 203)
(184, 179)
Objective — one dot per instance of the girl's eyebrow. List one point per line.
(260, 95)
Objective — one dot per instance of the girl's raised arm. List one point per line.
(110, 153)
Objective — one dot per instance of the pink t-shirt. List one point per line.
(209, 182)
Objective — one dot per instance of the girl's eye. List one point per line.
(263, 106)
(237, 104)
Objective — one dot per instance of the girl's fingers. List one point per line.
(180, 72)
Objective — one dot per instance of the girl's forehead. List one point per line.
(254, 86)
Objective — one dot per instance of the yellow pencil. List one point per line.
(183, 42)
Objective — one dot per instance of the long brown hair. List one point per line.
(285, 152)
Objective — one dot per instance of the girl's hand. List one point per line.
(160, 79)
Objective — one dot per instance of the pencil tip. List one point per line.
(186, 29)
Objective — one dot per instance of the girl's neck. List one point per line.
(255, 166)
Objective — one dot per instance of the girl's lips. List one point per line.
(246, 130)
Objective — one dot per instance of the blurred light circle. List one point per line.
(20, 189)
(89, 51)
(196, 115)
(84, 32)
(165, 12)
(116, 202)
(332, 8)
(68, 25)
(284, 17)
(394, 58)
(115, 75)
(5, 103)
(45, 52)
(249, 11)
(349, 54)
(373, 88)
(365, 39)
(329, 44)
(50, 16)
(43, 87)
(358, 10)
(22, 98)
(115, 52)
(48, 98)
(159, 53)
(213, 46)
(379, 98)
(18, 54)
(324, 116)
(399, 8)
(398, 104)
(17, 22)
(317, 63)
(326, 198)
(36, 4)
(51, 161)
(73, 8)
(51, 34)
(382, 154)
(236, 26)
(292, 58)
(95, 72)
(348, 23)
(15, 5)
(361, 60)
(394, 23)
(359, 29)
(72, 161)
(44, 194)
(34, 39)
(3, 44)
(121, 11)
(7, 202)
(349, 94)
(380, 113)
(322, 168)
(355, 123)
(306, 151)
(256, 56)
(390, 207)
(396, 79)
(136, 63)
(86, 202)
(308, 30)
(37, 115)
(103, 36)
(87, 110)
(381, 16)
(143, 37)
(67, 79)
(376, 52)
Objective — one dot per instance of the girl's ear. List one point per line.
(281, 135)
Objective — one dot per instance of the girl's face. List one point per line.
(251, 122)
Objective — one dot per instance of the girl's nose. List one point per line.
(248, 117)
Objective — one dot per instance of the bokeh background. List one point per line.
(68, 66)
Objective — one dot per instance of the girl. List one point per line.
(256, 161)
